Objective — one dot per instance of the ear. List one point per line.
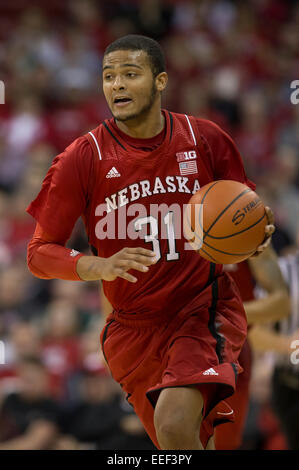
(161, 81)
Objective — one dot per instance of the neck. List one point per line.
(144, 127)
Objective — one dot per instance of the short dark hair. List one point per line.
(136, 42)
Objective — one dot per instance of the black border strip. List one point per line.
(234, 366)
(104, 338)
(211, 324)
(114, 137)
(171, 125)
(211, 274)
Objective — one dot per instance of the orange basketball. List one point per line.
(225, 222)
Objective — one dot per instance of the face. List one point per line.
(129, 85)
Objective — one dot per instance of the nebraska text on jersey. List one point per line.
(144, 188)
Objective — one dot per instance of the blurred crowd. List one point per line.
(228, 61)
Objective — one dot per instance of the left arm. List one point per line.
(275, 305)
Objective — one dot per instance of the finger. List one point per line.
(264, 245)
(140, 251)
(146, 260)
(128, 277)
(270, 215)
(131, 264)
(269, 229)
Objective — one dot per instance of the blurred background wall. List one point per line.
(228, 61)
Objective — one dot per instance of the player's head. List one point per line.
(133, 76)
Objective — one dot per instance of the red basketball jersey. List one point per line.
(138, 197)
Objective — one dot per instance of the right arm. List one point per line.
(49, 259)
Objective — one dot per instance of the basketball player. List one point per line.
(265, 271)
(178, 323)
(282, 339)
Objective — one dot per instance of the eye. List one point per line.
(131, 74)
(108, 77)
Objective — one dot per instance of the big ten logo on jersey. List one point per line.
(183, 156)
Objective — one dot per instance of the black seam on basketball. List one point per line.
(201, 206)
(209, 189)
(225, 209)
(202, 200)
(227, 253)
(237, 233)
(211, 236)
(210, 256)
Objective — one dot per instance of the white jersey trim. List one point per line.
(98, 148)
(192, 133)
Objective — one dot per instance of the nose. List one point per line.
(118, 83)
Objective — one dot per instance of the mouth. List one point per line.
(122, 101)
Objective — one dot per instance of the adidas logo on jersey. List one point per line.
(113, 173)
(210, 371)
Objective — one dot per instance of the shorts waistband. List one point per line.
(141, 320)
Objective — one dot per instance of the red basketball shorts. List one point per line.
(198, 346)
(229, 436)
